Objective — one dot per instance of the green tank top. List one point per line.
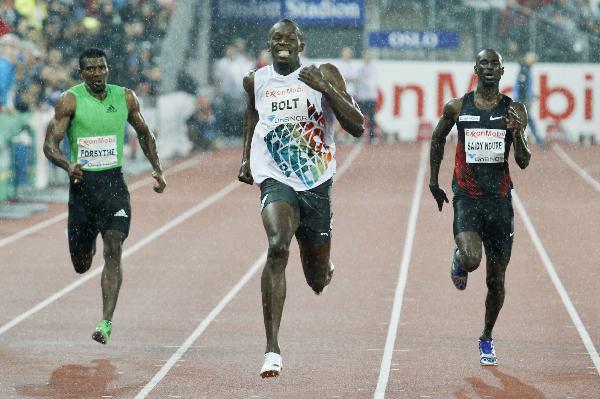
(97, 130)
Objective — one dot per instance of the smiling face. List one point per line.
(94, 72)
(285, 43)
(488, 67)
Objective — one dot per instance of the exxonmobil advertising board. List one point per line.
(412, 94)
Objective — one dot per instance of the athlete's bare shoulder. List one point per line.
(518, 107)
(330, 72)
(249, 83)
(452, 108)
(131, 99)
(66, 103)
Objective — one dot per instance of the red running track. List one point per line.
(390, 325)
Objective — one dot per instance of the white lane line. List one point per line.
(256, 266)
(134, 248)
(390, 341)
(578, 169)
(562, 292)
(32, 229)
(202, 327)
(62, 216)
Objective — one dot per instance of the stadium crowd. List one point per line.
(40, 42)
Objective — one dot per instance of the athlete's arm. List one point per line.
(55, 132)
(328, 80)
(436, 153)
(250, 121)
(516, 122)
(145, 137)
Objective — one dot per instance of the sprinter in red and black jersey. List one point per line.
(488, 124)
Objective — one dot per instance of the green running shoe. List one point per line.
(102, 332)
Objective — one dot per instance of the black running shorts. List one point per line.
(100, 202)
(493, 219)
(313, 208)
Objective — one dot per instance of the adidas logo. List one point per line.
(111, 109)
(121, 213)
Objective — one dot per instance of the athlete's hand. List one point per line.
(513, 121)
(75, 173)
(439, 195)
(245, 175)
(312, 76)
(161, 183)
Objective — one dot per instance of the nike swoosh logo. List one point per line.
(493, 118)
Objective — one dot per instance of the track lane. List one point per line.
(540, 353)
(14, 230)
(46, 269)
(332, 345)
(329, 343)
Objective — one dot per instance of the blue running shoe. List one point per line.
(487, 354)
(458, 275)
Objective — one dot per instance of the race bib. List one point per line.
(97, 152)
(286, 105)
(485, 145)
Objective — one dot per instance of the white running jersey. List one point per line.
(293, 140)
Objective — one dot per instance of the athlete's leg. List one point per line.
(111, 274)
(469, 250)
(281, 221)
(83, 261)
(496, 269)
(316, 264)
(497, 241)
(81, 234)
(467, 227)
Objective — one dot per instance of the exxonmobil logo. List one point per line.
(556, 101)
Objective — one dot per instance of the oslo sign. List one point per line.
(305, 12)
(414, 39)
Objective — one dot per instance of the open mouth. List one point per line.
(283, 53)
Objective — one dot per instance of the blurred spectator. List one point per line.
(200, 126)
(347, 68)
(523, 91)
(229, 72)
(264, 59)
(366, 90)
(8, 59)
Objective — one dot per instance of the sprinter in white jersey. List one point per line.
(289, 152)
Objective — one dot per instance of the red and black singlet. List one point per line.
(481, 162)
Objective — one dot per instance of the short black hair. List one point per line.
(91, 53)
(289, 21)
(490, 50)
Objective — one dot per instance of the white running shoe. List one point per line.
(272, 365)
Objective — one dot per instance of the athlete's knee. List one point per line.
(318, 283)
(279, 248)
(81, 263)
(495, 284)
(112, 248)
(470, 260)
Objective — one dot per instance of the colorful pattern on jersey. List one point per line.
(300, 148)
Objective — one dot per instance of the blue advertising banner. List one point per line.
(325, 12)
(259, 11)
(414, 39)
(305, 12)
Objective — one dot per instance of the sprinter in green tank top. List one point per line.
(93, 115)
